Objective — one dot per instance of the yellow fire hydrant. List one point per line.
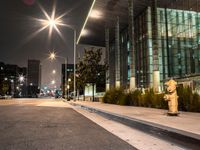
(172, 97)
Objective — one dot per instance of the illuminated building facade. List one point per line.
(178, 45)
(149, 41)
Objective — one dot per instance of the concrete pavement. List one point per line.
(134, 137)
(184, 129)
(49, 125)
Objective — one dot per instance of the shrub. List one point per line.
(106, 97)
(188, 101)
(153, 100)
(120, 97)
(115, 96)
(133, 98)
(162, 104)
(149, 98)
(185, 94)
(195, 103)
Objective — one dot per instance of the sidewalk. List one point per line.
(186, 124)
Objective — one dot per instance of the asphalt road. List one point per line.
(46, 125)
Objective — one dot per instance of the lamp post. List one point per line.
(52, 23)
(74, 30)
(74, 65)
(53, 56)
(68, 87)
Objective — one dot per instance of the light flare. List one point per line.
(52, 55)
(49, 21)
(52, 21)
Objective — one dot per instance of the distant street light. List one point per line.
(52, 23)
(54, 71)
(53, 56)
(68, 86)
(96, 14)
(68, 90)
(53, 82)
(21, 78)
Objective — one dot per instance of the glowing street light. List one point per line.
(52, 55)
(21, 78)
(96, 14)
(53, 82)
(53, 22)
(54, 71)
(84, 32)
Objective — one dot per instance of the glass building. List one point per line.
(178, 47)
(157, 40)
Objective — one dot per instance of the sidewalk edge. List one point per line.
(180, 137)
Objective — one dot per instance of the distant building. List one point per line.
(2, 72)
(9, 80)
(65, 76)
(34, 77)
(34, 72)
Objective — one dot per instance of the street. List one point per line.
(51, 124)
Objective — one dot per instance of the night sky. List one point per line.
(17, 25)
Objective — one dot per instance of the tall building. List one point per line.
(10, 82)
(149, 41)
(66, 76)
(34, 73)
(34, 77)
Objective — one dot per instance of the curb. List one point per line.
(182, 138)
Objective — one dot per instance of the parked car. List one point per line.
(58, 94)
(5, 96)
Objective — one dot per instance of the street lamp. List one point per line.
(53, 82)
(54, 71)
(68, 86)
(68, 90)
(21, 78)
(53, 22)
(53, 56)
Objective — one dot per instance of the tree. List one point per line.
(89, 68)
(81, 77)
(4, 88)
(80, 80)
